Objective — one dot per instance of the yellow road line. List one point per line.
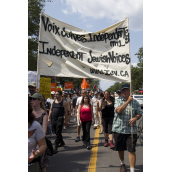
(93, 159)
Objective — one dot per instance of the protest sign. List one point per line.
(32, 77)
(67, 51)
(53, 87)
(68, 85)
(45, 87)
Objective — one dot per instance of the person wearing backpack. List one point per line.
(58, 110)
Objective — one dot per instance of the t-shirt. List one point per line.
(74, 99)
(37, 135)
(94, 101)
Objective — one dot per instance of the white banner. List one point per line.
(67, 51)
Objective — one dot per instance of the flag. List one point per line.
(71, 91)
(84, 84)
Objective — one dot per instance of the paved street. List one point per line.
(73, 157)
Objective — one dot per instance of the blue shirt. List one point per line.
(121, 120)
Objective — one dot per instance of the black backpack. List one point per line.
(49, 147)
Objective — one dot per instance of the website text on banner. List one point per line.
(45, 87)
(67, 51)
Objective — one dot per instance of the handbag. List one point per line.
(49, 147)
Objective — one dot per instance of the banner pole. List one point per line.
(38, 50)
(130, 88)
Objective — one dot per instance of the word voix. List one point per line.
(119, 33)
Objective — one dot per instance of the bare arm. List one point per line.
(71, 105)
(79, 111)
(50, 112)
(45, 121)
(66, 112)
(42, 147)
(121, 108)
(76, 107)
(99, 104)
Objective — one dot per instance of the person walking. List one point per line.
(36, 136)
(85, 116)
(58, 110)
(94, 103)
(122, 126)
(76, 115)
(100, 114)
(73, 104)
(64, 97)
(41, 116)
(107, 108)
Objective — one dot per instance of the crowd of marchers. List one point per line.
(102, 109)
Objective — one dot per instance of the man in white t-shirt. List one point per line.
(94, 102)
(84, 92)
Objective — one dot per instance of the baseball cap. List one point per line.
(52, 92)
(125, 86)
(38, 95)
(32, 84)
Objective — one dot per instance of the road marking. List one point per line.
(93, 159)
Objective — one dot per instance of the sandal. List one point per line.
(100, 132)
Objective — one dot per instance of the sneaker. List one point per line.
(88, 147)
(106, 143)
(77, 139)
(64, 128)
(112, 146)
(54, 151)
(61, 144)
(95, 128)
(123, 168)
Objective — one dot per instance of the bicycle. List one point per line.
(140, 131)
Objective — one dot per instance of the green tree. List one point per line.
(117, 86)
(137, 72)
(34, 10)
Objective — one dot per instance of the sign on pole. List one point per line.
(45, 87)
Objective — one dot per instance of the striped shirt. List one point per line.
(121, 120)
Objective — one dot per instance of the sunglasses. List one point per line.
(34, 98)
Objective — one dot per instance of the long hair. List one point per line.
(82, 101)
(31, 116)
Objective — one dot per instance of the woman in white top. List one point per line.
(35, 136)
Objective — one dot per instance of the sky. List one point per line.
(99, 14)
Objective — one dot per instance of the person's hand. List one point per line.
(80, 122)
(75, 115)
(65, 122)
(132, 121)
(93, 121)
(130, 98)
(49, 121)
(32, 157)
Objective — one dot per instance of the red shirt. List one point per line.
(85, 114)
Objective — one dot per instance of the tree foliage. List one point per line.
(136, 75)
(34, 10)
